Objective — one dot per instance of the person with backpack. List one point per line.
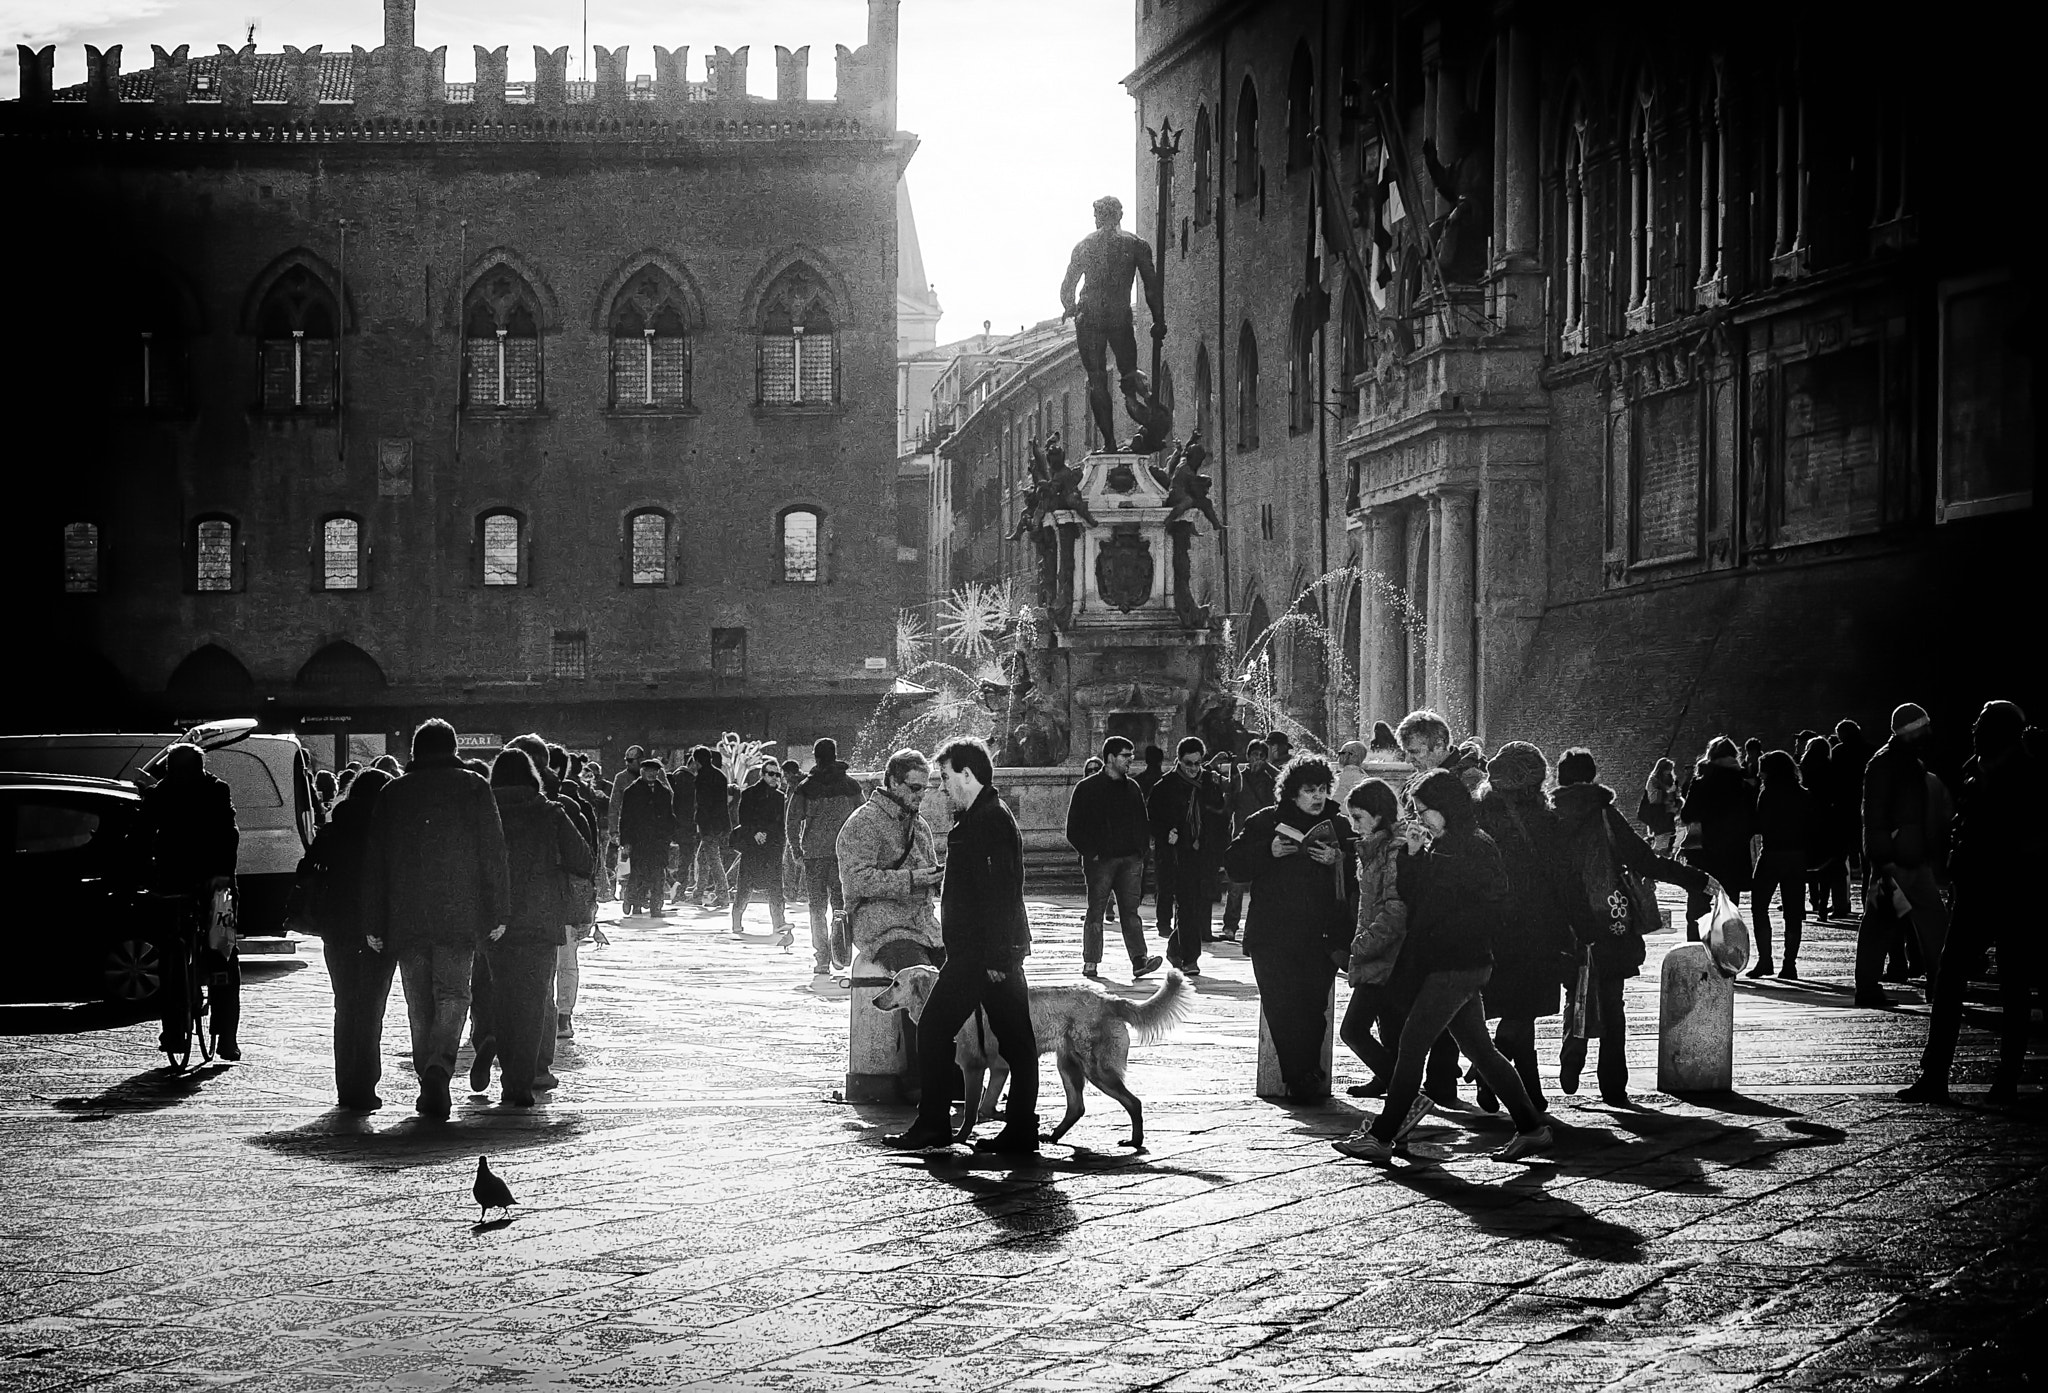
(1785, 818)
(819, 806)
(1456, 889)
(1610, 909)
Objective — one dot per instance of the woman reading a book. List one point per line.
(1297, 858)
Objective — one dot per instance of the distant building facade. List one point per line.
(559, 406)
(1665, 372)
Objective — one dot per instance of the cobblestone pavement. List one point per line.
(697, 1212)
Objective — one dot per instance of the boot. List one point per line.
(1788, 967)
(1019, 1137)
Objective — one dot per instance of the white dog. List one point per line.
(1083, 1028)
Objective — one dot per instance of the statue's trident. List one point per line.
(1165, 145)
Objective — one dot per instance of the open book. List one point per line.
(1324, 833)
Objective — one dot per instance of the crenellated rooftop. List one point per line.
(401, 89)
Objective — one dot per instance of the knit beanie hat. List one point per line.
(1517, 765)
(1907, 717)
(1577, 767)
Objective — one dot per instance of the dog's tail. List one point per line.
(1159, 1012)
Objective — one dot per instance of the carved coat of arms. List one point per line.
(1123, 570)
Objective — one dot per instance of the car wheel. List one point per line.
(132, 971)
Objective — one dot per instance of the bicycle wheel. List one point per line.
(181, 988)
(202, 998)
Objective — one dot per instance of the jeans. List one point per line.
(1233, 907)
(511, 1006)
(1378, 1004)
(964, 985)
(1881, 928)
(1123, 877)
(1451, 1000)
(1183, 874)
(1985, 914)
(1294, 995)
(1515, 1038)
(1613, 1037)
(1785, 873)
(821, 873)
(436, 981)
(711, 882)
(362, 987)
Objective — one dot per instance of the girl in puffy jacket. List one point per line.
(1373, 808)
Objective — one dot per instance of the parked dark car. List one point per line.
(79, 925)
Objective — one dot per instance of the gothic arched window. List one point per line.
(501, 544)
(214, 563)
(1205, 157)
(797, 356)
(650, 344)
(1576, 229)
(1204, 421)
(797, 535)
(501, 342)
(1641, 215)
(1301, 350)
(647, 548)
(297, 326)
(341, 553)
(1301, 109)
(1245, 143)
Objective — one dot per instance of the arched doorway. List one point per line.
(209, 684)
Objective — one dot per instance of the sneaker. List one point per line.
(1422, 1107)
(1925, 1091)
(1364, 1146)
(1146, 968)
(1524, 1144)
(1452, 1103)
(1092, 971)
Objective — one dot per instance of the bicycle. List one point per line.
(189, 975)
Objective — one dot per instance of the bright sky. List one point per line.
(1018, 106)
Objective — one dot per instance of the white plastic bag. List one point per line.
(1726, 934)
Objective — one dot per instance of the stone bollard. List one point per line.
(875, 1056)
(1695, 1023)
(1271, 1085)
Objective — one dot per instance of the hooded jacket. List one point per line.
(546, 859)
(435, 870)
(818, 807)
(1586, 812)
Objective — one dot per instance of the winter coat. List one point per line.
(881, 850)
(1298, 907)
(762, 809)
(1659, 815)
(1587, 818)
(713, 815)
(1456, 890)
(1381, 917)
(818, 807)
(2000, 832)
(1535, 935)
(1784, 819)
(191, 826)
(1196, 809)
(1256, 791)
(647, 818)
(624, 780)
(1107, 817)
(332, 873)
(1723, 805)
(981, 903)
(547, 862)
(435, 869)
(1824, 840)
(1897, 824)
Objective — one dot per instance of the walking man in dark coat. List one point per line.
(1190, 817)
(1899, 836)
(1106, 823)
(435, 890)
(988, 936)
(758, 838)
(647, 824)
(714, 825)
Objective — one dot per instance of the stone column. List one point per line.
(1420, 552)
(1520, 157)
(1383, 683)
(1455, 559)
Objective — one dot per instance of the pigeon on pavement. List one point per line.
(491, 1192)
